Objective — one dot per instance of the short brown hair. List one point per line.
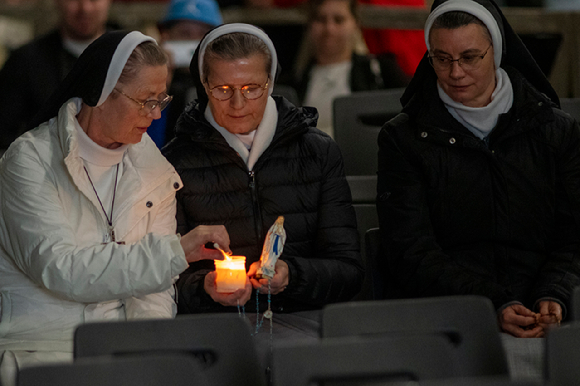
(456, 19)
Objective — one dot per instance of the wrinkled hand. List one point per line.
(193, 243)
(227, 299)
(550, 314)
(520, 322)
(278, 283)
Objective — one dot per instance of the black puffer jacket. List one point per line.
(498, 218)
(299, 176)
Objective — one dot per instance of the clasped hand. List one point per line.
(521, 322)
(240, 297)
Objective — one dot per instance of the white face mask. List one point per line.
(181, 51)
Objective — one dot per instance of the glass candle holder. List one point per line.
(230, 274)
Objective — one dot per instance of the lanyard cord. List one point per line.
(109, 220)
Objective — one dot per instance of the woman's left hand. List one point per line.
(550, 314)
(278, 283)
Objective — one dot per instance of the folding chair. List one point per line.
(287, 92)
(469, 322)
(357, 120)
(362, 359)
(481, 381)
(363, 189)
(222, 343)
(154, 370)
(563, 355)
(575, 305)
(571, 106)
(373, 255)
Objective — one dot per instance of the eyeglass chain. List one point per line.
(109, 219)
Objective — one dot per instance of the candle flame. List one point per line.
(226, 256)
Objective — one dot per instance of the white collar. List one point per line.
(263, 137)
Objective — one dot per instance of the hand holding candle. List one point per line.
(240, 296)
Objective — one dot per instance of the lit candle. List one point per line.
(230, 273)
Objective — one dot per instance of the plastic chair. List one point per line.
(469, 322)
(362, 359)
(222, 343)
(575, 305)
(481, 381)
(363, 189)
(562, 355)
(175, 370)
(571, 106)
(357, 120)
(287, 92)
(367, 218)
(373, 254)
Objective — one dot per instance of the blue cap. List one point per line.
(205, 11)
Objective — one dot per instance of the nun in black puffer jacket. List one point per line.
(246, 158)
(478, 180)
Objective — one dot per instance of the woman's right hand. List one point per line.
(520, 322)
(193, 243)
(240, 297)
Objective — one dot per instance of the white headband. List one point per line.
(476, 10)
(118, 61)
(239, 27)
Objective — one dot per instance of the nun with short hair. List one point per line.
(478, 175)
(87, 231)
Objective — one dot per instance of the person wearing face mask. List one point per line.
(336, 61)
(185, 23)
(478, 179)
(247, 157)
(34, 71)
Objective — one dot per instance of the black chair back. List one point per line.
(357, 120)
(469, 322)
(222, 343)
(356, 360)
(563, 355)
(571, 106)
(154, 370)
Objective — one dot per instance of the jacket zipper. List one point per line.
(255, 204)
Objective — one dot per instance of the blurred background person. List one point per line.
(335, 60)
(184, 25)
(34, 71)
(406, 44)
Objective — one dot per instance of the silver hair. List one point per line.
(233, 46)
(145, 54)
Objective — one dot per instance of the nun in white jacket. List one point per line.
(87, 225)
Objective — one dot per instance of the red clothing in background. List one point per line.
(408, 45)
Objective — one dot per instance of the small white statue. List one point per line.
(273, 246)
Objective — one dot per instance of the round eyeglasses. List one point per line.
(249, 91)
(466, 62)
(150, 105)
